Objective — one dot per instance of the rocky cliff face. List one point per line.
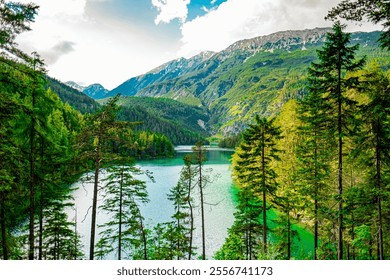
(287, 40)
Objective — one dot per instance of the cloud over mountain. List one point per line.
(52, 55)
(170, 10)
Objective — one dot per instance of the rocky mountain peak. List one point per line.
(290, 39)
(75, 85)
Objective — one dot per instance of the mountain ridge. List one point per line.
(96, 90)
(251, 76)
(171, 71)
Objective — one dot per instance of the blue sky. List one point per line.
(110, 41)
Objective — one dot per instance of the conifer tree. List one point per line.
(376, 11)
(374, 141)
(252, 166)
(328, 77)
(123, 195)
(313, 153)
(287, 199)
(247, 223)
(181, 196)
(93, 146)
(15, 18)
(60, 241)
(199, 157)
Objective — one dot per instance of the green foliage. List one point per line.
(253, 173)
(372, 145)
(148, 145)
(37, 133)
(233, 247)
(362, 242)
(377, 11)
(60, 240)
(15, 19)
(73, 97)
(122, 198)
(178, 121)
(307, 187)
(179, 197)
(230, 141)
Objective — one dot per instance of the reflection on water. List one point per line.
(218, 196)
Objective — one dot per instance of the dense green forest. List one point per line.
(178, 121)
(46, 144)
(183, 124)
(322, 162)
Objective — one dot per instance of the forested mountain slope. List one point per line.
(251, 76)
(181, 123)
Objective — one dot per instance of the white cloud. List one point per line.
(234, 20)
(54, 54)
(170, 10)
(83, 45)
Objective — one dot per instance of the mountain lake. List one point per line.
(220, 197)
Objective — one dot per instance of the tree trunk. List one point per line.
(40, 247)
(288, 232)
(340, 159)
(144, 240)
(75, 235)
(120, 216)
(264, 194)
(378, 188)
(94, 201)
(191, 215)
(315, 228)
(31, 235)
(202, 209)
(316, 189)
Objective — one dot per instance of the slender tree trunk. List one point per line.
(264, 194)
(3, 228)
(249, 240)
(75, 236)
(120, 216)
(378, 187)
(144, 239)
(178, 238)
(288, 232)
(94, 201)
(31, 235)
(40, 254)
(191, 215)
(248, 233)
(202, 210)
(340, 160)
(315, 228)
(316, 189)
(353, 235)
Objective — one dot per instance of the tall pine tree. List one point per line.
(329, 78)
(252, 167)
